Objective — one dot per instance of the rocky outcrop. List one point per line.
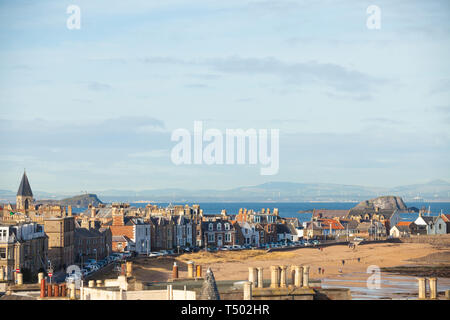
(382, 203)
(81, 201)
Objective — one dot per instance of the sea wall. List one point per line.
(438, 239)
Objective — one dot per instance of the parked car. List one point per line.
(155, 254)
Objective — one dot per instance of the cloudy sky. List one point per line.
(93, 109)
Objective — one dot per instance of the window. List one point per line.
(227, 226)
(219, 226)
(227, 237)
(210, 237)
(210, 227)
(2, 253)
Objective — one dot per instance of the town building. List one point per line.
(92, 243)
(331, 228)
(162, 233)
(401, 230)
(422, 225)
(24, 247)
(439, 226)
(250, 233)
(136, 229)
(219, 233)
(61, 238)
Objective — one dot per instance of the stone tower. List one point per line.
(24, 198)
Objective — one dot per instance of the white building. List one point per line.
(438, 226)
(251, 235)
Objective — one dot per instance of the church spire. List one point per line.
(24, 188)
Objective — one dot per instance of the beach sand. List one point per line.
(233, 265)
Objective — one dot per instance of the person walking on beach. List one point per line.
(320, 269)
(323, 270)
(359, 259)
(343, 262)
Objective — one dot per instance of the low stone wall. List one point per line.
(437, 239)
(105, 294)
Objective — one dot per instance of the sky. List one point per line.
(94, 108)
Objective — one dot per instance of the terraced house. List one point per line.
(135, 229)
(219, 233)
(23, 246)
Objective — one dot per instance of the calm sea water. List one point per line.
(290, 209)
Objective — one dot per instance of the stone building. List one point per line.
(61, 237)
(219, 233)
(27, 209)
(162, 230)
(23, 246)
(136, 229)
(92, 243)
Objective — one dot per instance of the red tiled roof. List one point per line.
(334, 224)
(404, 223)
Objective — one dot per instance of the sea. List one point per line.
(291, 209)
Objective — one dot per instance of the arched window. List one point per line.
(219, 226)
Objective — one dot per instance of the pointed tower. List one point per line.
(24, 198)
(209, 288)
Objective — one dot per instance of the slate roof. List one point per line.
(428, 220)
(352, 224)
(387, 213)
(327, 213)
(87, 233)
(24, 188)
(282, 228)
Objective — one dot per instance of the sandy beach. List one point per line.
(233, 265)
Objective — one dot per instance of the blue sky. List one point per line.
(93, 109)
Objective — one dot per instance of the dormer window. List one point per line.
(227, 226)
(210, 227)
(219, 226)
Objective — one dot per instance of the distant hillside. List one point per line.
(286, 192)
(81, 201)
(437, 190)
